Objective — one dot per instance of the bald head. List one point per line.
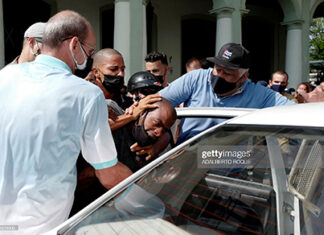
(166, 106)
(101, 56)
(63, 25)
(159, 119)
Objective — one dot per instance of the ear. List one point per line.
(167, 70)
(270, 82)
(73, 43)
(31, 42)
(95, 72)
(245, 76)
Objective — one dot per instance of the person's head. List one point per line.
(231, 66)
(142, 84)
(304, 87)
(32, 43)
(157, 64)
(69, 37)
(193, 64)
(154, 122)
(109, 67)
(279, 81)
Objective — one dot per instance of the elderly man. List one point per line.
(157, 64)
(225, 85)
(32, 43)
(47, 116)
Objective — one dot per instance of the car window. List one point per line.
(221, 182)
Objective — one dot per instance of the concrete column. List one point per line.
(2, 38)
(130, 34)
(138, 42)
(223, 27)
(294, 59)
(122, 31)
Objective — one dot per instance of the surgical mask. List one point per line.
(113, 84)
(278, 88)
(220, 85)
(84, 64)
(140, 135)
(83, 73)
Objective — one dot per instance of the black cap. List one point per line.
(232, 56)
(143, 79)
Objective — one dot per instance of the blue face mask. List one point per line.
(278, 88)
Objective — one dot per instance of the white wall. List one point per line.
(169, 13)
(89, 9)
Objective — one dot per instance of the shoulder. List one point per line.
(114, 107)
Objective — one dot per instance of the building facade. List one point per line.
(276, 32)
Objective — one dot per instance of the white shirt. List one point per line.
(47, 115)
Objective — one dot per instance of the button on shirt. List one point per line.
(47, 115)
(194, 90)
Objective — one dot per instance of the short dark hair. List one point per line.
(281, 72)
(191, 60)
(156, 56)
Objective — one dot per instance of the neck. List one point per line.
(61, 54)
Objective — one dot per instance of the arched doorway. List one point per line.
(198, 39)
(264, 37)
(17, 19)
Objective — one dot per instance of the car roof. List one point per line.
(310, 114)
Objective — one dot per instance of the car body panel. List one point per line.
(292, 116)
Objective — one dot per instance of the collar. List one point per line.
(52, 62)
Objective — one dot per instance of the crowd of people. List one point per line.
(60, 133)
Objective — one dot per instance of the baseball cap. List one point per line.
(232, 56)
(36, 31)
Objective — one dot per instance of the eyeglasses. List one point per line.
(93, 49)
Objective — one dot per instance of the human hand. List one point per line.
(145, 103)
(299, 98)
(90, 77)
(139, 150)
(317, 95)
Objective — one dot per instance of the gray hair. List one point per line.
(64, 25)
(243, 71)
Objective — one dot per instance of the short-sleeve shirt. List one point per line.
(47, 115)
(194, 89)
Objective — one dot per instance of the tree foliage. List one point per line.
(316, 47)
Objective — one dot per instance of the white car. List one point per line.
(257, 173)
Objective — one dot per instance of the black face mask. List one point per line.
(160, 78)
(140, 135)
(113, 84)
(83, 73)
(220, 85)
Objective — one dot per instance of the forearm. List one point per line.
(109, 177)
(121, 121)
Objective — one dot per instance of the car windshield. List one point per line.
(227, 181)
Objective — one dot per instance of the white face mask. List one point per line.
(84, 64)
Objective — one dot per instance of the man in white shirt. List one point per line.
(47, 116)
